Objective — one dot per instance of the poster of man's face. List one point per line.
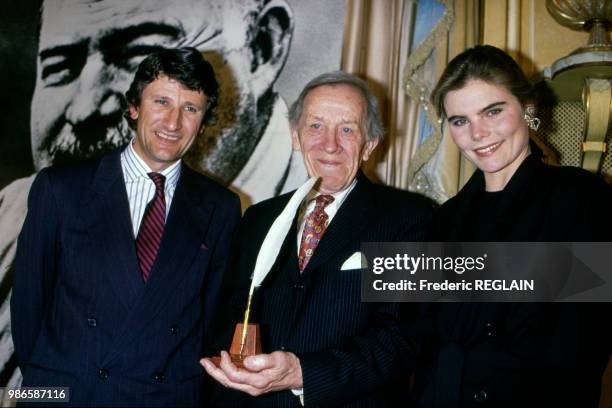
(88, 50)
(65, 66)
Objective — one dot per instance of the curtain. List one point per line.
(401, 47)
(376, 42)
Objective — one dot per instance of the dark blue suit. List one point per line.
(82, 316)
(348, 349)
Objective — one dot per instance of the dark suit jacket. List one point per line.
(81, 315)
(347, 349)
(517, 354)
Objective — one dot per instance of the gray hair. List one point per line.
(373, 124)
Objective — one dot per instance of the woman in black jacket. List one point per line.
(510, 354)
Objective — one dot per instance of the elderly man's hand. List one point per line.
(263, 372)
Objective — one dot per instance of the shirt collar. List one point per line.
(339, 197)
(134, 167)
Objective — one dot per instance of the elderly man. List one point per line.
(88, 52)
(325, 347)
(120, 259)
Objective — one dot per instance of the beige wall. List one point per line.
(526, 29)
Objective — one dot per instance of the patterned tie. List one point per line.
(314, 228)
(151, 228)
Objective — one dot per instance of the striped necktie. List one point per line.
(151, 228)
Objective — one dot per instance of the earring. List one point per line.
(532, 121)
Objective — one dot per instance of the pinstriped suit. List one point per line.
(82, 316)
(347, 349)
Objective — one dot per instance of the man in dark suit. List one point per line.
(120, 259)
(324, 346)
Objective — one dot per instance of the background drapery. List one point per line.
(401, 47)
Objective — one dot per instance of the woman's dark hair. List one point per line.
(485, 63)
(185, 65)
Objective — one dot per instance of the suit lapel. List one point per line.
(108, 216)
(346, 226)
(188, 222)
(289, 253)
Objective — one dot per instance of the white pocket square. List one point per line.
(355, 261)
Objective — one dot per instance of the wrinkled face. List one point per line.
(487, 123)
(88, 53)
(332, 136)
(167, 121)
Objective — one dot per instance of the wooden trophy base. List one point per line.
(252, 345)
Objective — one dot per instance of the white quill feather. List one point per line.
(277, 233)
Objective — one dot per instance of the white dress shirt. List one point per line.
(139, 186)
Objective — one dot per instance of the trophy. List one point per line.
(246, 341)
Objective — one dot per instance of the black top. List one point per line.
(516, 354)
(540, 203)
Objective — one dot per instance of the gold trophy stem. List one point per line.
(245, 324)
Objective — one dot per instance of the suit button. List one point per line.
(298, 286)
(159, 377)
(282, 348)
(174, 329)
(480, 396)
(92, 322)
(102, 374)
(490, 329)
